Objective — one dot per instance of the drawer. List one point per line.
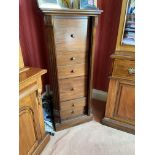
(72, 71)
(72, 113)
(71, 58)
(124, 68)
(73, 104)
(72, 88)
(70, 34)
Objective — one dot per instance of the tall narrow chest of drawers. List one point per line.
(70, 36)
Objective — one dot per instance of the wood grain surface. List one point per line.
(70, 42)
(70, 34)
(71, 113)
(31, 124)
(72, 71)
(120, 106)
(71, 58)
(72, 88)
(121, 68)
(80, 102)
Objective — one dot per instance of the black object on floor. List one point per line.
(47, 102)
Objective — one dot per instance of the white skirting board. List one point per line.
(99, 95)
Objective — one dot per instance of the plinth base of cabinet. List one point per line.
(73, 122)
(119, 125)
(42, 145)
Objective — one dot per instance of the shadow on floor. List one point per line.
(98, 108)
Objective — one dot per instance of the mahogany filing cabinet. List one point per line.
(69, 35)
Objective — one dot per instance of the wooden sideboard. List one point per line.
(120, 106)
(70, 42)
(32, 136)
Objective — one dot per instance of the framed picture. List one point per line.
(126, 30)
(71, 4)
(128, 37)
(48, 4)
(87, 4)
(67, 4)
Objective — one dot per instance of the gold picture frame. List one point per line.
(119, 45)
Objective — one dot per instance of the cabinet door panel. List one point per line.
(125, 103)
(28, 125)
(28, 139)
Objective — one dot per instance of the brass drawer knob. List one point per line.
(72, 71)
(72, 58)
(72, 36)
(131, 71)
(72, 112)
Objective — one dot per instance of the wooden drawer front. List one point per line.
(72, 112)
(73, 104)
(124, 68)
(72, 71)
(70, 34)
(71, 58)
(72, 88)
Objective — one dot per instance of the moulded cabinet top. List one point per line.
(30, 74)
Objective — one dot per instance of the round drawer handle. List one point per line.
(72, 112)
(73, 105)
(131, 71)
(72, 35)
(72, 71)
(72, 58)
(72, 89)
